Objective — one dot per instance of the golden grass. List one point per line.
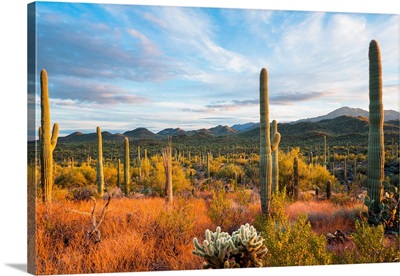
(325, 216)
(136, 235)
(147, 235)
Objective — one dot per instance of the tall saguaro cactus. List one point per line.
(126, 168)
(266, 145)
(376, 150)
(100, 172)
(47, 142)
(275, 164)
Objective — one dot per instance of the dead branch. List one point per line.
(94, 231)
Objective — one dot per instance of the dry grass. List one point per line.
(325, 216)
(136, 235)
(145, 234)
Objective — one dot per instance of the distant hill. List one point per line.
(343, 124)
(171, 132)
(244, 127)
(140, 133)
(222, 130)
(81, 137)
(348, 111)
(339, 130)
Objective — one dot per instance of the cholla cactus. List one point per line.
(245, 248)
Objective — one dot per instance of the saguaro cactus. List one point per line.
(324, 152)
(266, 145)
(376, 150)
(47, 142)
(328, 189)
(100, 172)
(127, 181)
(296, 178)
(139, 165)
(167, 159)
(208, 168)
(119, 174)
(275, 164)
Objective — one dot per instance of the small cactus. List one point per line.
(245, 248)
(328, 189)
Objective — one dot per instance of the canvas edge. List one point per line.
(31, 120)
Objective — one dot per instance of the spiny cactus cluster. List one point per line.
(245, 248)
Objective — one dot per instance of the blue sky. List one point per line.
(121, 67)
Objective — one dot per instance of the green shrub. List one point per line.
(219, 209)
(291, 243)
(372, 246)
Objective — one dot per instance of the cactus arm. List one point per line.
(275, 141)
(54, 136)
(40, 131)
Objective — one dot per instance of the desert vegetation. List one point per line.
(175, 204)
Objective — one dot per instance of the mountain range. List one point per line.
(343, 120)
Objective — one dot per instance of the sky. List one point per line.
(120, 66)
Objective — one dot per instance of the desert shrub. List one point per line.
(176, 221)
(229, 171)
(173, 229)
(286, 178)
(291, 243)
(60, 194)
(110, 175)
(372, 246)
(82, 193)
(156, 178)
(180, 181)
(320, 176)
(219, 209)
(78, 176)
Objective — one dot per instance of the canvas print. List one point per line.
(166, 138)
